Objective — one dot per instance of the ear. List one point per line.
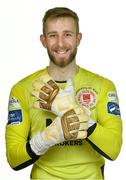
(43, 40)
(79, 37)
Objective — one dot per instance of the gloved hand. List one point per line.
(50, 97)
(73, 124)
(45, 90)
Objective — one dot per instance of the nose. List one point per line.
(60, 41)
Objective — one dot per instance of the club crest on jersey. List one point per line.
(87, 97)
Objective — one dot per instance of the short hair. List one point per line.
(60, 12)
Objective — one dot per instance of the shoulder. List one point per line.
(27, 81)
(91, 76)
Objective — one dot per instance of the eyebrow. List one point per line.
(66, 31)
(52, 32)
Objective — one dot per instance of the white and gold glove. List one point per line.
(73, 124)
(50, 97)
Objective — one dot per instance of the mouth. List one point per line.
(62, 52)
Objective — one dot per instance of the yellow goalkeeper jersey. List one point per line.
(78, 159)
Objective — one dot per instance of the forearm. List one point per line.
(18, 151)
(106, 140)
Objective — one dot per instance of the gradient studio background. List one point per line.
(102, 51)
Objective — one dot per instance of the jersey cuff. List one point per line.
(98, 150)
(33, 156)
(30, 152)
(91, 129)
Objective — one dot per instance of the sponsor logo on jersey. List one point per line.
(113, 108)
(87, 97)
(113, 104)
(14, 103)
(71, 143)
(15, 117)
(15, 112)
(112, 96)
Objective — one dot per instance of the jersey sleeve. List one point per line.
(107, 136)
(19, 154)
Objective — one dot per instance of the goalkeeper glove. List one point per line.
(50, 97)
(70, 126)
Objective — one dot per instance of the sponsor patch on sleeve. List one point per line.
(15, 112)
(113, 108)
(15, 117)
(113, 103)
(14, 103)
(112, 96)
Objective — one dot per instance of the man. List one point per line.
(63, 119)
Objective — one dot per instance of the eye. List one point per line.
(68, 34)
(52, 35)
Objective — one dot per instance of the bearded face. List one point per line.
(61, 40)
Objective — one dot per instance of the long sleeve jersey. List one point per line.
(71, 159)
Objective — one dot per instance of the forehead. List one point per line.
(60, 24)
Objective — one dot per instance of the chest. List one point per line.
(85, 93)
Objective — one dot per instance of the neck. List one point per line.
(62, 73)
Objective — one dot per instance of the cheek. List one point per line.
(73, 44)
(50, 44)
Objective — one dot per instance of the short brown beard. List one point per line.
(72, 57)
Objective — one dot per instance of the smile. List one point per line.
(61, 51)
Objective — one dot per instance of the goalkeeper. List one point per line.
(63, 119)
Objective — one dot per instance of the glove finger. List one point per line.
(40, 95)
(54, 91)
(68, 124)
(82, 115)
(82, 134)
(42, 105)
(75, 123)
(79, 130)
(78, 134)
(41, 86)
(37, 84)
(52, 84)
(49, 82)
(83, 126)
(45, 91)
